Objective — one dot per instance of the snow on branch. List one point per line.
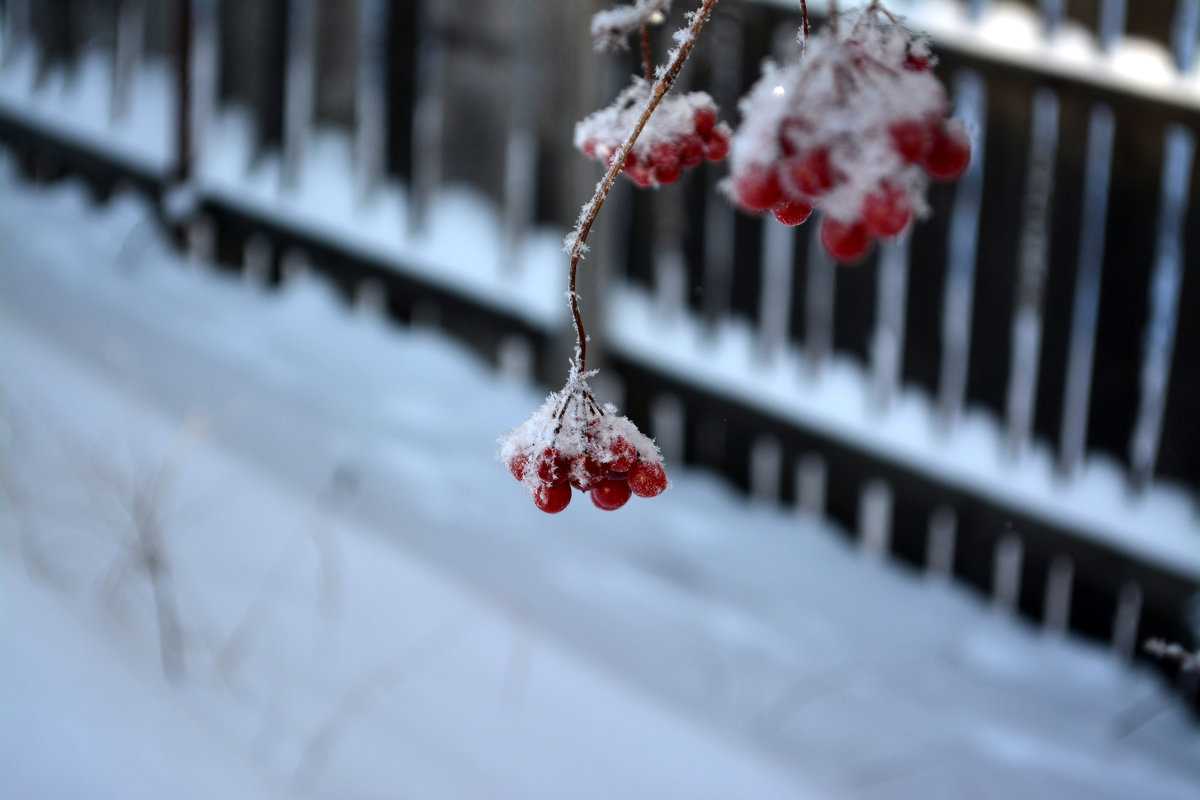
(610, 27)
(1171, 651)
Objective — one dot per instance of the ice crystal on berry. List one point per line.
(571, 441)
(683, 132)
(855, 129)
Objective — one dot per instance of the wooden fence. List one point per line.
(1047, 295)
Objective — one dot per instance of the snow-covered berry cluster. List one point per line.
(856, 127)
(572, 442)
(683, 132)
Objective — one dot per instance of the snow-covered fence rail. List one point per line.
(1009, 395)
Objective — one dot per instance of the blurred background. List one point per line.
(276, 274)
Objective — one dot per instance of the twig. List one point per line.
(576, 242)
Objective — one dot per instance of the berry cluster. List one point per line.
(683, 132)
(856, 128)
(571, 442)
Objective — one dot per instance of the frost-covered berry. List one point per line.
(691, 151)
(886, 211)
(550, 465)
(911, 138)
(585, 472)
(792, 213)
(716, 146)
(704, 119)
(621, 455)
(811, 173)
(609, 494)
(757, 188)
(517, 464)
(647, 479)
(950, 152)
(552, 497)
(845, 241)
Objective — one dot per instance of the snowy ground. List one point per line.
(370, 608)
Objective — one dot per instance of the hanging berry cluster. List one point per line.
(571, 442)
(683, 132)
(855, 128)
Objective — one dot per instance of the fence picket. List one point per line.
(1165, 285)
(370, 99)
(1111, 23)
(961, 255)
(1032, 268)
(299, 87)
(887, 343)
(127, 55)
(1185, 31)
(1086, 304)
(775, 299)
(818, 306)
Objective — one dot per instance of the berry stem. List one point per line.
(576, 242)
(804, 22)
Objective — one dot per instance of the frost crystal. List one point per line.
(611, 27)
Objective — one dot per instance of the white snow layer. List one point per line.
(372, 608)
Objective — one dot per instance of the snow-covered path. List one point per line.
(687, 646)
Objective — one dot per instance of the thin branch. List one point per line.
(577, 240)
(804, 21)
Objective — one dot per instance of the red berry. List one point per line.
(550, 465)
(552, 497)
(789, 129)
(610, 495)
(631, 160)
(757, 188)
(585, 472)
(664, 154)
(668, 174)
(517, 466)
(716, 145)
(705, 117)
(589, 148)
(846, 242)
(810, 173)
(792, 213)
(911, 139)
(950, 152)
(917, 63)
(886, 210)
(691, 150)
(647, 479)
(621, 455)
(640, 175)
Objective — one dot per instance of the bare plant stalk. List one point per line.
(577, 240)
(804, 19)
